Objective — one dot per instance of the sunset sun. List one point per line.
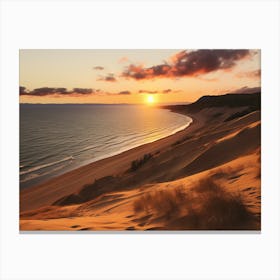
(150, 99)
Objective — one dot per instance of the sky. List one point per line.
(135, 76)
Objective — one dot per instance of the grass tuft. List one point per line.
(164, 203)
(206, 206)
(136, 164)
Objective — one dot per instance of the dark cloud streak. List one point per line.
(98, 68)
(83, 90)
(164, 91)
(124, 92)
(47, 91)
(108, 78)
(148, 91)
(22, 91)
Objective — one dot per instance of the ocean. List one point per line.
(56, 138)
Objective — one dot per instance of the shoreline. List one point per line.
(44, 193)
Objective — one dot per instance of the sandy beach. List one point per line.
(112, 194)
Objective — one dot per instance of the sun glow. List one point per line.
(150, 99)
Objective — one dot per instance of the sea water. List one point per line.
(56, 138)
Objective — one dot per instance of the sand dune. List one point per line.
(117, 210)
(238, 145)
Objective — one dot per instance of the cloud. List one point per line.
(167, 90)
(188, 64)
(137, 72)
(22, 91)
(46, 91)
(124, 92)
(108, 78)
(98, 68)
(159, 92)
(83, 90)
(255, 74)
(247, 90)
(148, 91)
(59, 92)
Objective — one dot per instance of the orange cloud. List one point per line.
(255, 74)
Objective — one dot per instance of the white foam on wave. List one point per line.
(36, 168)
(36, 175)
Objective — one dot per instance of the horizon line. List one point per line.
(171, 103)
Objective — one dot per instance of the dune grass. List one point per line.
(165, 203)
(136, 164)
(207, 206)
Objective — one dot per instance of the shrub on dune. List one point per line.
(206, 206)
(221, 210)
(136, 164)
